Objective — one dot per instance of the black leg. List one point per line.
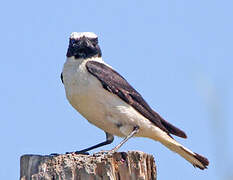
(135, 131)
(109, 140)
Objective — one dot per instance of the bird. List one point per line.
(106, 99)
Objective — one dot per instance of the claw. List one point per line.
(81, 152)
(54, 154)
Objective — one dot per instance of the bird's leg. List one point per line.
(109, 140)
(135, 131)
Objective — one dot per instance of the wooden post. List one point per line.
(133, 165)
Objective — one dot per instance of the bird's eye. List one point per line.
(72, 41)
(94, 41)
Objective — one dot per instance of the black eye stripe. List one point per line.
(93, 40)
(83, 47)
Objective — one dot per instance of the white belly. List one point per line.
(100, 107)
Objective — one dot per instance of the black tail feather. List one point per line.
(203, 160)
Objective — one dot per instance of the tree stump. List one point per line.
(133, 165)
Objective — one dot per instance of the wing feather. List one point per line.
(116, 84)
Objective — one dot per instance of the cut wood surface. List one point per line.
(133, 165)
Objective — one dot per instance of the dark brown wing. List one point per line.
(171, 128)
(115, 83)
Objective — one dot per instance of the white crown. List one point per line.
(77, 35)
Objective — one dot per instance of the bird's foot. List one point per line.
(54, 154)
(82, 152)
(78, 152)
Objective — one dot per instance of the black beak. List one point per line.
(82, 43)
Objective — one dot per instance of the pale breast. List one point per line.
(100, 107)
(86, 95)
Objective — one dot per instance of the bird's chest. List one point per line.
(86, 95)
(100, 107)
(79, 84)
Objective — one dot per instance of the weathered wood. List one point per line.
(133, 165)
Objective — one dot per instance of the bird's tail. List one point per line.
(195, 159)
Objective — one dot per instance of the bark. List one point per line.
(118, 166)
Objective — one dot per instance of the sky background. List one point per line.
(177, 54)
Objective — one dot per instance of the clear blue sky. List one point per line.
(177, 54)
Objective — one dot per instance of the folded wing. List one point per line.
(116, 84)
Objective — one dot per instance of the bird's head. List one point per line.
(83, 45)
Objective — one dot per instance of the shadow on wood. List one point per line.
(119, 166)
